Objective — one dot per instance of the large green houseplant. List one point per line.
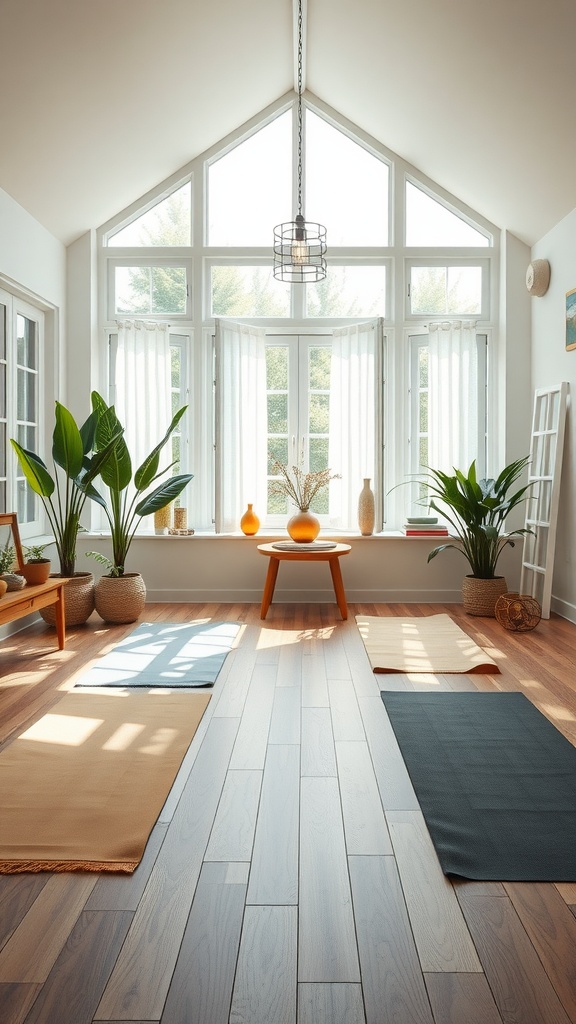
(75, 465)
(476, 510)
(63, 490)
(129, 499)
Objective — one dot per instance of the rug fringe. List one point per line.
(14, 867)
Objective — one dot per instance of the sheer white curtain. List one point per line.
(241, 424)
(143, 383)
(453, 427)
(355, 387)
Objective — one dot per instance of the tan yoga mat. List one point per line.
(431, 643)
(82, 788)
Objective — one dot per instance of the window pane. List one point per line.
(277, 414)
(348, 291)
(319, 414)
(446, 290)
(277, 503)
(428, 222)
(167, 223)
(277, 449)
(3, 315)
(277, 367)
(26, 395)
(423, 367)
(250, 188)
(248, 291)
(150, 290)
(26, 342)
(346, 186)
(319, 363)
(25, 502)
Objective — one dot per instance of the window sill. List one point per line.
(265, 536)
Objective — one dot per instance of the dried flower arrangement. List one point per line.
(297, 485)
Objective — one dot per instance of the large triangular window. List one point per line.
(168, 223)
(250, 187)
(346, 186)
(429, 223)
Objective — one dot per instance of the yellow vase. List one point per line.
(249, 523)
(304, 527)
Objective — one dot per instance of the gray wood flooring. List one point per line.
(290, 878)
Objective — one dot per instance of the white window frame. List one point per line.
(299, 345)
(449, 261)
(184, 263)
(398, 320)
(16, 306)
(416, 343)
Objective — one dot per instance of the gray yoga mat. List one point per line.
(495, 780)
(167, 654)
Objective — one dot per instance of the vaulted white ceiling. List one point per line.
(100, 100)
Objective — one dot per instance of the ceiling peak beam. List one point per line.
(295, 40)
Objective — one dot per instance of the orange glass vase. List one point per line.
(304, 527)
(249, 523)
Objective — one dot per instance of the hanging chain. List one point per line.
(300, 107)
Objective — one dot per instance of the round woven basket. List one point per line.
(518, 612)
(120, 598)
(78, 601)
(479, 596)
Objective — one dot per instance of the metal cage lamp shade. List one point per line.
(299, 245)
(299, 248)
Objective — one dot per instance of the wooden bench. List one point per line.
(17, 603)
(29, 599)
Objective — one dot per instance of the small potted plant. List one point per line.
(36, 568)
(12, 580)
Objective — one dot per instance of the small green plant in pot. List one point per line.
(476, 510)
(36, 568)
(7, 558)
(129, 499)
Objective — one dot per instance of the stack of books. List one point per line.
(424, 526)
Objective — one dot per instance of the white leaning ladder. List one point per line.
(546, 446)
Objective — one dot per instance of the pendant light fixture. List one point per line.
(299, 245)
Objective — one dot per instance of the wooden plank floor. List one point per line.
(290, 878)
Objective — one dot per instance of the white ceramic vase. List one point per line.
(366, 509)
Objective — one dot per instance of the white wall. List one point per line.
(551, 363)
(30, 256)
(230, 569)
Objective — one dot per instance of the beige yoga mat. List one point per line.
(431, 643)
(82, 788)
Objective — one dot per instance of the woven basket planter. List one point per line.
(120, 598)
(78, 601)
(479, 596)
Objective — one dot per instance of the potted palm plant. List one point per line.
(63, 491)
(120, 596)
(476, 511)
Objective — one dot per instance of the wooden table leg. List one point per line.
(269, 585)
(60, 620)
(338, 586)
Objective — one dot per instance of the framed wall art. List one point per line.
(571, 319)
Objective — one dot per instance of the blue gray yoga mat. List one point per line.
(166, 654)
